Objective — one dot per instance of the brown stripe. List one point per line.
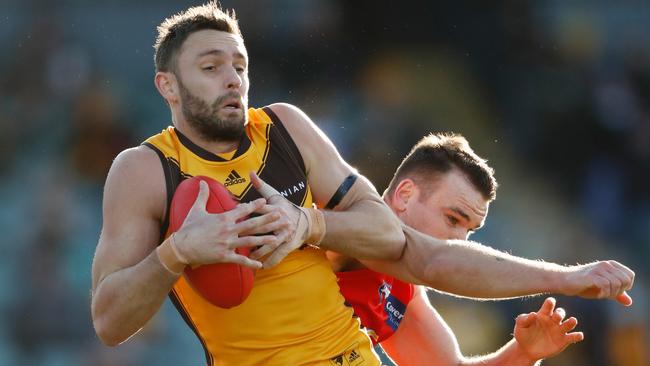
(294, 152)
(168, 187)
(181, 310)
(244, 144)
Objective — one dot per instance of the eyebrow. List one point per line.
(465, 216)
(460, 212)
(219, 53)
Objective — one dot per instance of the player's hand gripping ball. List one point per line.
(223, 284)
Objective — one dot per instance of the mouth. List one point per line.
(232, 105)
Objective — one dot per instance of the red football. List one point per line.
(222, 284)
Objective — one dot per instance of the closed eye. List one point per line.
(452, 220)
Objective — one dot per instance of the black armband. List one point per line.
(341, 191)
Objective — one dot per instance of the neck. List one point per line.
(213, 146)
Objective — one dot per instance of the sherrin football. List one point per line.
(223, 284)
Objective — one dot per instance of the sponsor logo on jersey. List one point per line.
(234, 178)
(351, 357)
(395, 311)
(337, 361)
(354, 358)
(384, 291)
(393, 308)
(286, 192)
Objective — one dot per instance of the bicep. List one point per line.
(423, 337)
(133, 206)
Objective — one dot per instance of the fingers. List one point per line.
(202, 197)
(255, 180)
(575, 337)
(627, 272)
(526, 320)
(259, 225)
(558, 315)
(264, 250)
(569, 325)
(274, 227)
(547, 307)
(623, 281)
(262, 187)
(242, 260)
(266, 209)
(244, 209)
(284, 235)
(281, 236)
(610, 280)
(624, 299)
(618, 280)
(252, 241)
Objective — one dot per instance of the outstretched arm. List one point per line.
(483, 272)
(424, 338)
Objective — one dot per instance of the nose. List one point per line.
(233, 80)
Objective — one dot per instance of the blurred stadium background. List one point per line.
(555, 94)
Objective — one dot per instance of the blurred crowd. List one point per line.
(556, 94)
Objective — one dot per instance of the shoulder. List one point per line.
(302, 129)
(294, 119)
(286, 110)
(134, 157)
(136, 175)
(140, 161)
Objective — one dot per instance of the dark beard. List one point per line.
(203, 117)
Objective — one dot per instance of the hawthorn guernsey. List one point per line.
(290, 336)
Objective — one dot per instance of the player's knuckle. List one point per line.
(227, 227)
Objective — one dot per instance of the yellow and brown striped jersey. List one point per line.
(295, 314)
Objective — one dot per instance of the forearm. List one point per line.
(510, 354)
(366, 230)
(125, 300)
(469, 269)
(480, 271)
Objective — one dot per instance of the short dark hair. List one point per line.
(173, 31)
(437, 154)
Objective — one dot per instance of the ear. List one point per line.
(405, 191)
(167, 86)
